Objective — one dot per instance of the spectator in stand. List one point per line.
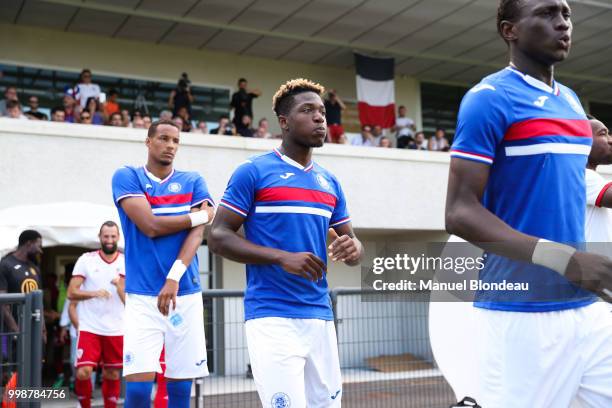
(85, 118)
(147, 120)
(377, 133)
(260, 133)
(419, 142)
(242, 101)
(57, 114)
(438, 142)
(201, 128)
(264, 128)
(13, 110)
(245, 129)
(10, 94)
(111, 105)
(93, 108)
(165, 115)
(138, 123)
(181, 96)
(71, 109)
(125, 118)
(115, 120)
(183, 113)
(179, 122)
(333, 113)
(404, 128)
(86, 89)
(365, 138)
(385, 142)
(224, 128)
(33, 113)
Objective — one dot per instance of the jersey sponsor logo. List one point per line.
(174, 187)
(323, 182)
(482, 87)
(199, 363)
(280, 400)
(335, 395)
(540, 101)
(287, 175)
(16, 267)
(33, 271)
(29, 285)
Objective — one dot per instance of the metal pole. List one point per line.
(36, 317)
(199, 393)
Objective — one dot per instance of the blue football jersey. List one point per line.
(536, 138)
(288, 207)
(148, 260)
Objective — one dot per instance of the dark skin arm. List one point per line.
(139, 211)
(8, 316)
(345, 246)
(224, 240)
(467, 218)
(606, 200)
(192, 242)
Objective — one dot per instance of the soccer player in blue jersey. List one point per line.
(287, 203)
(163, 212)
(517, 189)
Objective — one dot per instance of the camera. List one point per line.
(184, 82)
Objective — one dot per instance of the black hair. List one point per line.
(12, 104)
(508, 10)
(153, 129)
(95, 99)
(112, 92)
(591, 117)
(28, 236)
(57, 109)
(242, 80)
(109, 224)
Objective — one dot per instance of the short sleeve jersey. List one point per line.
(536, 138)
(98, 315)
(598, 222)
(289, 207)
(17, 276)
(148, 260)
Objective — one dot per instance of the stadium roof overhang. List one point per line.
(449, 41)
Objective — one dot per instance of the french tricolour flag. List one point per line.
(375, 90)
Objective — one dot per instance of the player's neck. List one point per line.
(526, 65)
(300, 154)
(161, 171)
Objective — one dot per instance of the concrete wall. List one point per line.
(39, 47)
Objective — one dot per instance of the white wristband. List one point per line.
(198, 218)
(177, 270)
(552, 255)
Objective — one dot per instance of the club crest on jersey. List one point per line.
(280, 400)
(323, 182)
(128, 358)
(79, 353)
(573, 103)
(174, 187)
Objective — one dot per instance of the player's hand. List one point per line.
(167, 296)
(591, 272)
(343, 248)
(115, 281)
(304, 264)
(103, 293)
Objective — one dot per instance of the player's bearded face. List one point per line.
(35, 250)
(306, 121)
(109, 248)
(109, 237)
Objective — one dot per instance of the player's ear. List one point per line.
(283, 122)
(508, 31)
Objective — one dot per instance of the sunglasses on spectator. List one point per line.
(85, 117)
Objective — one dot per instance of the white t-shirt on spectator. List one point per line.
(86, 91)
(405, 126)
(98, 315)
(357, 140)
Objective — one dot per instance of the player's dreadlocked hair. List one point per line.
(508, 10)
(282, 101)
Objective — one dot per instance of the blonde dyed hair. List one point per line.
(281, 101)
